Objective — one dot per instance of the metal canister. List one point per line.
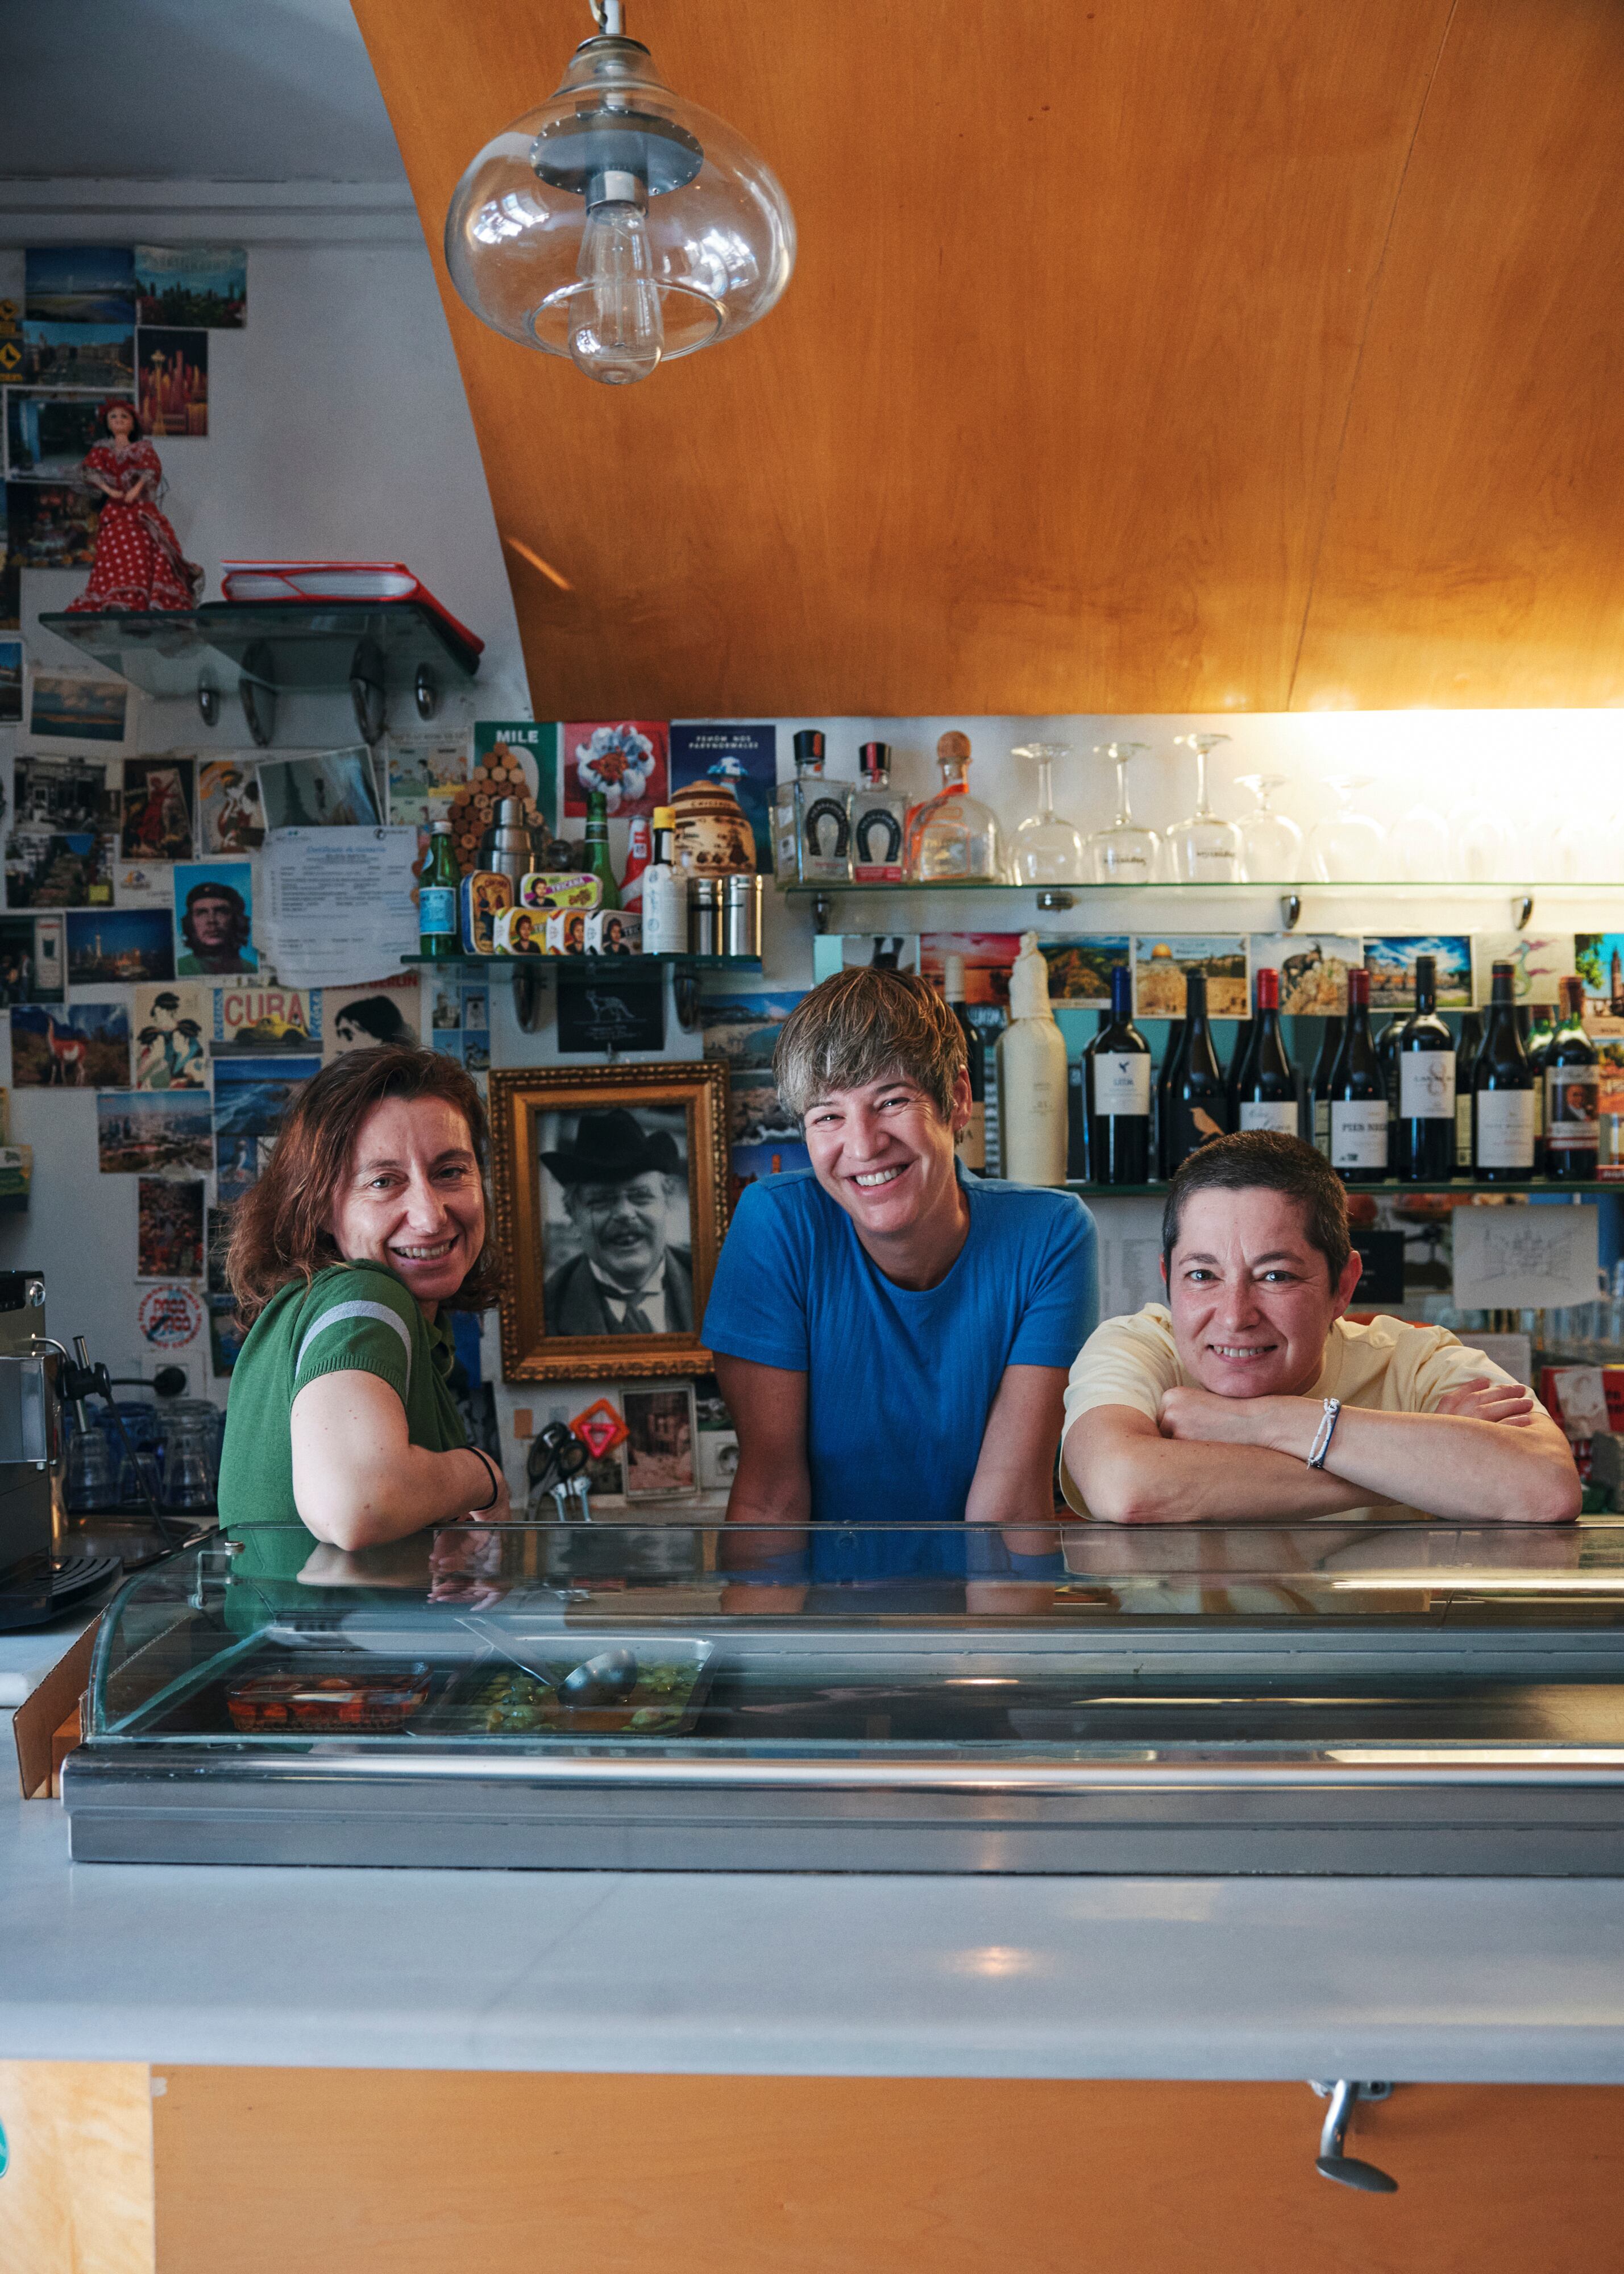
(742, 915)
(507, 848)
(704, 915)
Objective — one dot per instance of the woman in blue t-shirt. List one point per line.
(892, 1335)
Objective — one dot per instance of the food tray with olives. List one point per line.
(661, 1695)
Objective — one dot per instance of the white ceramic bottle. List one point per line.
(1031, 1077)
(664, 894)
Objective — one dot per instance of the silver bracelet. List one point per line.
(1323, 1435)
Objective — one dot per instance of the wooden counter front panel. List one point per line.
(308, 2172)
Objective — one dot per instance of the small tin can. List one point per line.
(550, 889)
(482, 896)
(704, 915)
(742, 915)
(567, 931)
(614, 931)
(519, 931)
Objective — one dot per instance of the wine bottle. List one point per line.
(1502, 1093)
(1197, 1109)
(1320, 1083)
(1573, 1085)
(1238, 1049)
(1116, 1068)
(1358, 1096)
(1164, 1096)
(1539, 1030)
(971, 1144)
(1425, 1050)
(1465, 1059)
(1387, 1053)
(1266, 1092)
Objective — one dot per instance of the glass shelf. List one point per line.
(1462, 1185)
(290, 645)
(1405, 888)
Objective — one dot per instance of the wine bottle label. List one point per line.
(1359, 1132)
(1462, 1128)
(1322, 1124)
(971, 1142)
(1573, 1096)
(436, 911)
(1426, 1086)
(1505, 1129)
(1270, 1113)
(1121, 1082)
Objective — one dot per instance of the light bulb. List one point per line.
(616, 334)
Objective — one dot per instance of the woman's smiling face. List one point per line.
(411, 1198)
(1252, 1299)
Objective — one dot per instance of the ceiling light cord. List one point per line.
(608, 15)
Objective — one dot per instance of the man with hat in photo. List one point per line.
(622, 1186)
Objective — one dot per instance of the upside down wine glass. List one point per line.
(1048, 850)
(1125, 853)
(1349, 847)
(1271, 842)
(1205, 850)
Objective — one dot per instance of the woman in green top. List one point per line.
(366, 1227)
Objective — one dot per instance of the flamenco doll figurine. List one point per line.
(138, 564)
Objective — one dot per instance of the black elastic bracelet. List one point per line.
(496, 1479)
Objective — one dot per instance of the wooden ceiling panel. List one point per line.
(1065, 407)
(1474, 553)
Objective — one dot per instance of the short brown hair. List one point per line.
(1269, 1159)
(861, 1026)
(279, 1230)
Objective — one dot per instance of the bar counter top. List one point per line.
(1461, 1980)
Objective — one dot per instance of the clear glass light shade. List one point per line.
(618, 223)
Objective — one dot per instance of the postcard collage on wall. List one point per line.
(98, 328)
(142, 960)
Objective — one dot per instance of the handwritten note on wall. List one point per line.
(1513, 1259)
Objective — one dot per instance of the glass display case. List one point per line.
(1407, 1698)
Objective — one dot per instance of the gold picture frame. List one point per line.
(573, 1240)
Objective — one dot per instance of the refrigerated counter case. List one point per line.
(1407, 1699)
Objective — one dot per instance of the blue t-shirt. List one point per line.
(900, 1383)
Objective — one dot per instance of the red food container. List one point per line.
(327, 1702)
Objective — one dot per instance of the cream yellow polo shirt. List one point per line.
(1389, 1365)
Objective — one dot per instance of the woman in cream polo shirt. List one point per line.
(1249, 1397)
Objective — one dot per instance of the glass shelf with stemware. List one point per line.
(1260, 904)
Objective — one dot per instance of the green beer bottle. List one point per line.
(438, 936)
(597, 861)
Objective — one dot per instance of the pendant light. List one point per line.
(618, 223)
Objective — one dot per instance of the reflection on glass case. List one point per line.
(1324, 1698)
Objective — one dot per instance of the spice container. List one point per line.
(742, 915)
(704, 915)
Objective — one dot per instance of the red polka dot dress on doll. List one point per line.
(138, 564)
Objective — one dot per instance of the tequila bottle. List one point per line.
(953, 835)
(812, 820)
(878, 813)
